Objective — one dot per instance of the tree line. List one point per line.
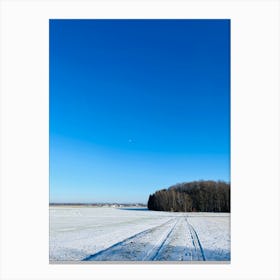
(196, 196)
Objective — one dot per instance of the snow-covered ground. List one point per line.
(112, 234)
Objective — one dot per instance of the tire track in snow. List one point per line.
(175, 247)
(198, 249)
(156, 243)
(156, 250)
(127, 249)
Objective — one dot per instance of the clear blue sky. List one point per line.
(137, 106)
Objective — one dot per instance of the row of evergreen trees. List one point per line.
(197, 196)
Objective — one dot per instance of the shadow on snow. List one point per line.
(130, 252)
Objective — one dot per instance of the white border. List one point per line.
(254, 137)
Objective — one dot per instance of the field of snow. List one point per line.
(114, 234)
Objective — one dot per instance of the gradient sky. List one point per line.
(137, 106)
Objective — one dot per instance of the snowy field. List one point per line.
(111, 234)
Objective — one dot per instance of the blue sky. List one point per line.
(137, 106)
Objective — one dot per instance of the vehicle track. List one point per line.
(174, 240)
(197, 252)
(156, 250)
(177, 246)
(138, 246)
